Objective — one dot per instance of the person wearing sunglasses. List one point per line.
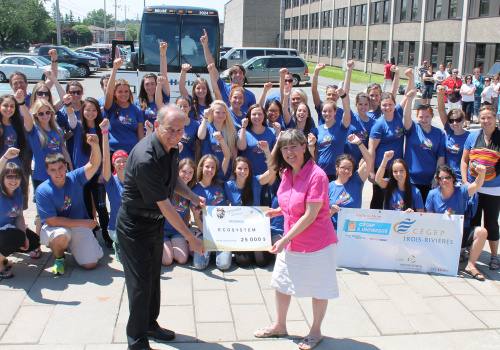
(452, 84)
(452, 199)
(14, 236)
(483, 147)
(478, 82)
(467, 91)
(487, 92)
(456, 135)
(424, 146)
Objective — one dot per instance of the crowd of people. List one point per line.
(235, 151)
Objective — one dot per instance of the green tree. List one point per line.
(84, 34)
(51, 36)
(96, 17)
(70, 34)
(22, 21)
(132, 31)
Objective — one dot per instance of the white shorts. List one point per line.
(82, 242)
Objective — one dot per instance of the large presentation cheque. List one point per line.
(235, 229)
(395, 240)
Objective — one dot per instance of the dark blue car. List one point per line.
(102, 60)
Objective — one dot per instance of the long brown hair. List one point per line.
(199, 171)
(17, 123)
(393, 185)
(208, 97)
(143, 95)
(85, 128)
(52, 122)
(189, 162)
(130, 96)
(247, 192)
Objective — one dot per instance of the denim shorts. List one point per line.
(169, 234)
(427, 91)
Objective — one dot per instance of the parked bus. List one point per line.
(173, 24)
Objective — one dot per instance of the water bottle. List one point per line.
(101, 195)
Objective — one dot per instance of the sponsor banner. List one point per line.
(228, 228)
(395, 240)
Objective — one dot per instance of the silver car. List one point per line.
(263, 69)
(32, 67)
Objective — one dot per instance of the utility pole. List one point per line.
(58, 21)
(125, 9)
(115, 19)
(105, 29)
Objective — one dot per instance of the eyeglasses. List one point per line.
(120, 162)
(487, 80)
(442, 178)
(288, 80)
(346, 168)
(293, 148)
(332, 87)
(40, 114)
(76, 92)
(43, 93)
(13, 177)
(423, 107)
(455, 120)
(273, 111)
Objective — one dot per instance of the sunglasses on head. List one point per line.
(374, 85)
(76, 92)
(40, 114)
(13, 177)
(43, 93)
(423, 107)
(455, 120)
(332, 87)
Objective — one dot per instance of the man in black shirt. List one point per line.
(151, 177)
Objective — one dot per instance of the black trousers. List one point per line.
(90, 191)
(11, 239)
(378, 193)
(141, 244)
(491, 207)
(424, 191)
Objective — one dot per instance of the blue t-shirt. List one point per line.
(201, 110)
(114, 189)
(10, 141)
(454, 205)
(233, 193)
(225, 90)
(455, 149)
(362, 130)
(397, 200)
(278, 222)
(479, 84)
(422, 152)
(27, 100)
(374, 115)
(391, 136)
(101, 101)
(67, 201)
(79, 158)
(236, 120)
(63, 122)
(214, 195)
(152, 110)
(319, 110)
(10, 209)
(330, 143)
(188, 139)
(212, 146)
(53, 144)
(253, 153)
(123, 127)
(276, 96)
(182, 208)
(486, 156)
(348, 195)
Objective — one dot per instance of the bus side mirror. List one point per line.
(134, 59)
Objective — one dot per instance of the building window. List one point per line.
(314, 20)
(361, 50)
(484, 8)
(339, 17)
(295, 23)
(383, 51)
(376, 18)
(327, 19)
(403, 11)
(497, 53)
(345, 16)
(434, 54)
(411, 54)
(353, 50)
(448, 53)
(288, 4)
(296, 3)
(356, 15)
(452, 13)
(295, 44)
(303, 22)
(325, 48)
(286, 43)
(287, 23)
(401, 54)
(313, 47)
(414, 10)
(387, 10)
(437, 9)
(304, 2)
(480, 55)
(338, 48)
(374, 51)
(363, 14)
(303, 46)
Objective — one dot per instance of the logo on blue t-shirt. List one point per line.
(399, 132)
(453, 148)
(185, 137)
(66, 204)
(125, 120)
(363, 135)
(54, 144)
(398, 205)
(181, 206)
(426, 144)
(326, 141)
(10, 141)
(344, 197)
(14, 212)
(219, 197)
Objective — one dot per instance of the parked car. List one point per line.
(243, 54)
(86, 64)
(104, 51)
(103, 63)
(262, 69)
(29, 65)
(74, 71)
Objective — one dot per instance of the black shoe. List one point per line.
(144, 348)
(161, 335)
(109, 244)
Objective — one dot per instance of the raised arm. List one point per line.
(106, 156)
(286, 104)
(407, 122)
(395, 83)
(262, 99)
(379, 177)
(158, 94)
(346, 105)
(441, 90)
(206, 52)
(366, 167)
(28, 118)
(283, 72)
(476, 185)
(214, 76)
(314, 84)
(312, 146)
(163, 68)
(95, 156)
(72, 120)
(347, 79)
(110, 88)
(270, 175)
(225, 150)
(53, 67)
(60, 90)
(241, 143)
(182, 79)
(410, 86)
(11, 153)
(464, 164)
(202, 130)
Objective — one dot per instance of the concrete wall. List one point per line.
(233, 23)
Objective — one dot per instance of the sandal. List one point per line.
(36, 254)
(5, 274)
(309, 343)
(474, 273)
(268, 332)
(494, 263)
(7, 264)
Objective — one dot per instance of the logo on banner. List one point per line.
(220, 213)
(403, 226)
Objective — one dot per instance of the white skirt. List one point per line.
(307, 274)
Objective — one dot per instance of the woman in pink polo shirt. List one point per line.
(306, 255)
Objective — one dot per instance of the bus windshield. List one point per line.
(182, 34)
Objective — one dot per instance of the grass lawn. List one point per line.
(359, 77)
